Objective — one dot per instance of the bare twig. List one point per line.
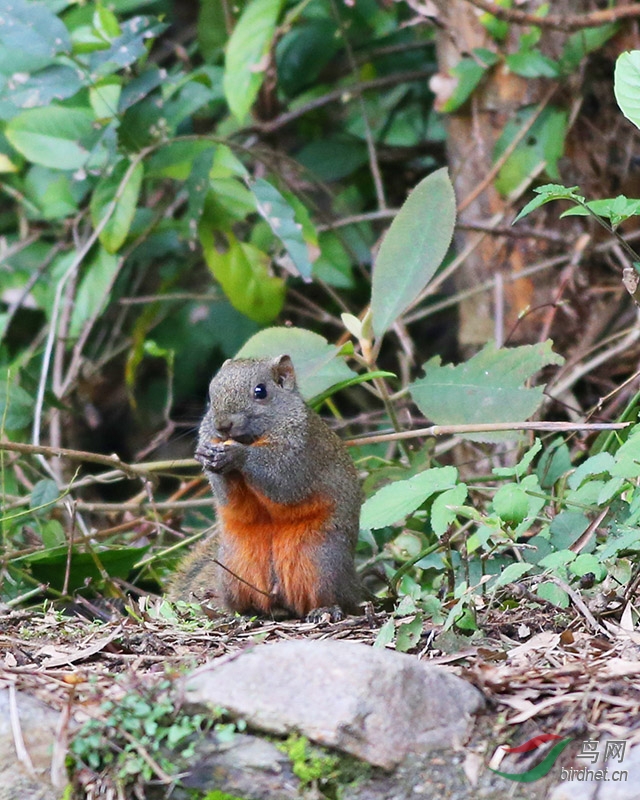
(570, 22)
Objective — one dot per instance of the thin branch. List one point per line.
(490, 427)
(342, 94)
(570, 22)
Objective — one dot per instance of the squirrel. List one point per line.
(287, 496)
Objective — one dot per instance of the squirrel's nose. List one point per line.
(223, 427)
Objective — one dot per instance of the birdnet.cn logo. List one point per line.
(609, 752)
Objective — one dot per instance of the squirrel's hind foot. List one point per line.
(325, 614)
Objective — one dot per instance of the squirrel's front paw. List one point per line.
(219, 456)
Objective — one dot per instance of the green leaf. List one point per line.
(397, 500)
(626, 85)
(317, 363)
(334, 157)
(599, 464)
(386, 633)
(44, 493)
(487, 388)
(615, 209)
(544, 142)
(318, 400)
(281, 219)
(409, 634)
(522, 466)
(511, 503)
(566, 528)
(583, 42)
(547, 193)
(93, 292)
(16, 407)
(106, 194)
(629, 539)
(247, 51)
(175, 159)
(468, 73)
(197, 186)
(551, 592)
(444, 508)
(512, 573)
(52, 533)
(56, 82)
(554, 463)
(413, 248)
(48, 566)
(31, 36)
(532, 64)
(55, 137)
(585, 563)
(243, 272)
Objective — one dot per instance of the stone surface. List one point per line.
(376, 704)
(38, 723)
(247, 767)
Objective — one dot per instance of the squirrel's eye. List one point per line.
(260, 391)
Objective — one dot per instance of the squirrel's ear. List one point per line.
(283, 372)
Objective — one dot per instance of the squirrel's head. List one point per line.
(251, 397)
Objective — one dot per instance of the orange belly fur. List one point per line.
(271, 547)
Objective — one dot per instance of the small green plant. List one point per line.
(315, 767)
(137, 738)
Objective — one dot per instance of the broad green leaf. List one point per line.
(52, 533)
(31, 36)
(566, 527)
(386, 633)
(629, 539)
(334, 157)
(109, 192)
(522, 466)
(175, 159)
(489, 387)
(468, 73)
(49, 566)
(126, 49)
(56, 82)
(511, 503)
(409, 633)
(512, 573)
(247, 51)
(93, 291)
(626, 85)
(544, 142)
(319, 399)
(615, 209)
(44, 493)
(397, 500)
(55, 194)
(532, 64)
(548, 590)
(444, 508)
(547, 193)
(243, 272)
(317, 363)
(55, 137)
(197, 186)
(280, 217)
(585, 563)
(104, 97)
(553, 463)
(16, 407)
(596, 465)
(583, 42)
(412, 249)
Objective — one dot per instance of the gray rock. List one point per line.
(616, 787)
(375, 704)
(244, 767)
(38, 723)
